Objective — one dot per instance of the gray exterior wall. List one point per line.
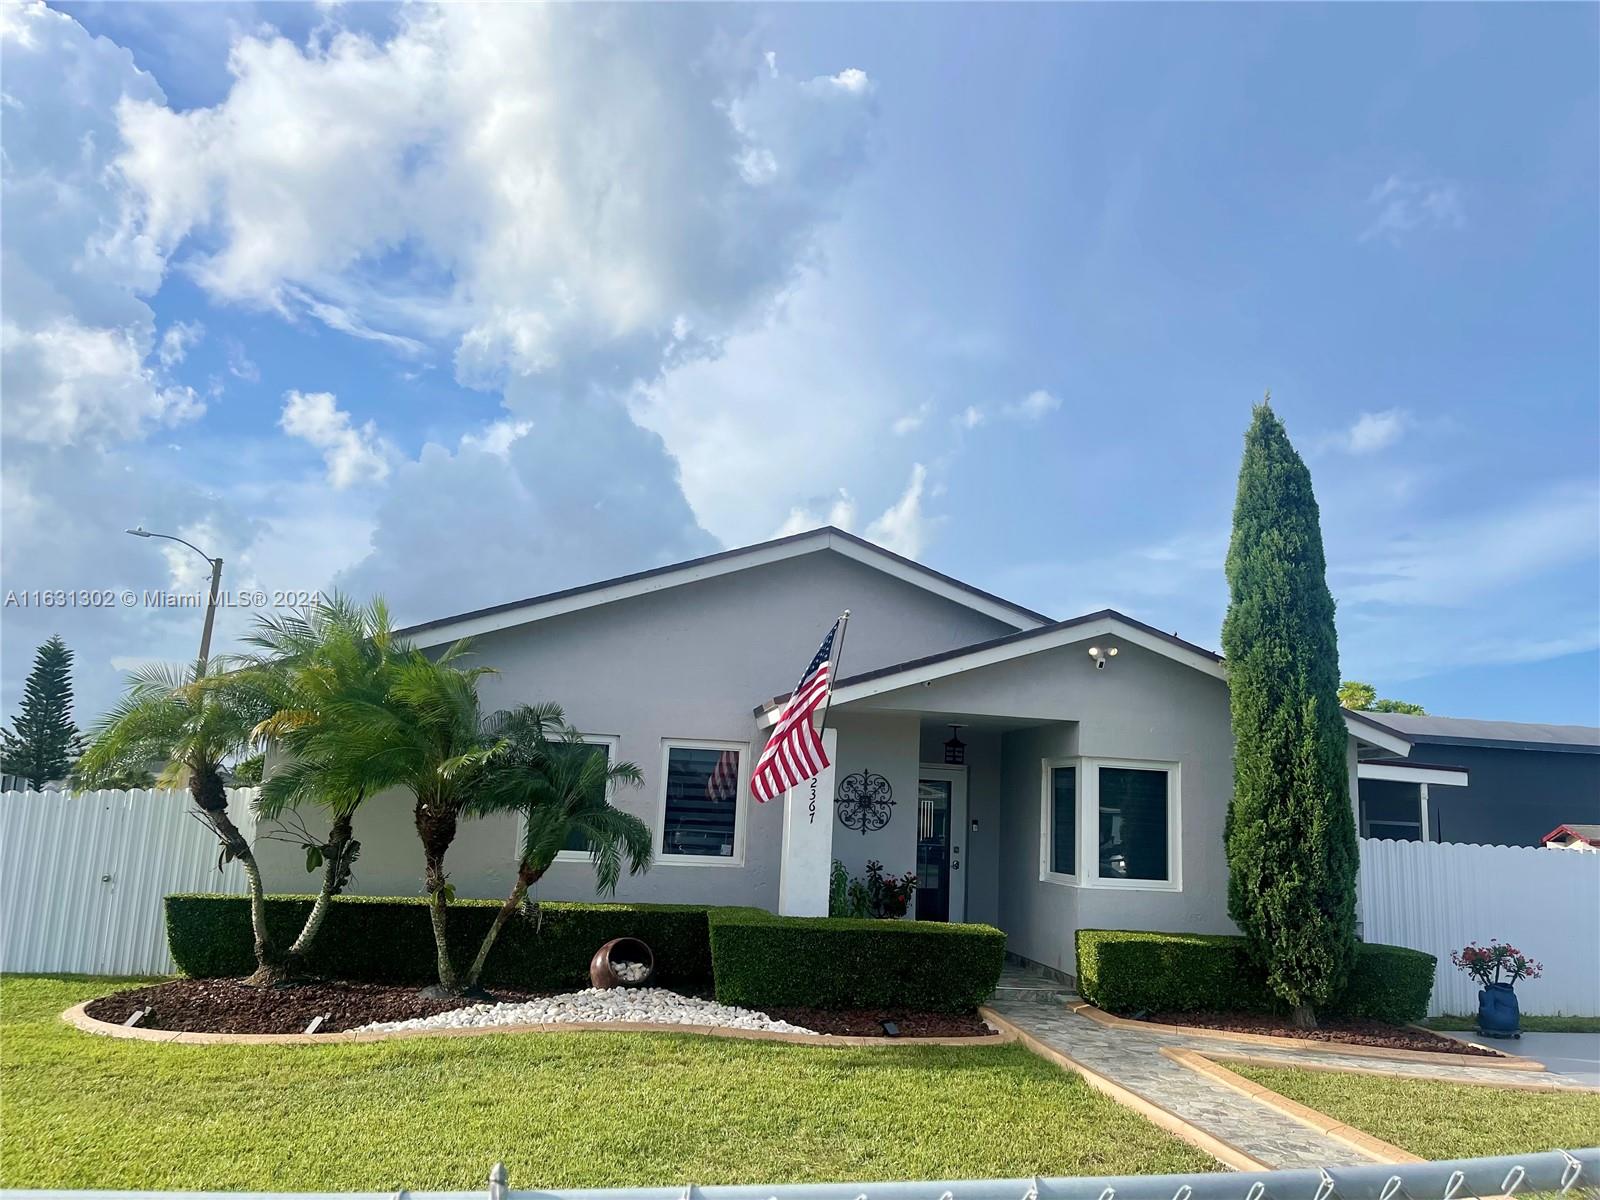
(1514, 796)
(1143, 706)
(685, 662)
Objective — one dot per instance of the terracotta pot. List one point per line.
(603, 966)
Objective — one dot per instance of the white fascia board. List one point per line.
(960, 663)
(1372, 735)
(1407, 773)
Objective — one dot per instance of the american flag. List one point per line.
(724, 781)
(794, 751)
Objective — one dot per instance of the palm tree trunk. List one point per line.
(436, 826)
(332, 872)
(211, 798)
(526, 877)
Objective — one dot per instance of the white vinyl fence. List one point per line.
(1438, 896)
(82, 876)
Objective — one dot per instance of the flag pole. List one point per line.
(833, 667)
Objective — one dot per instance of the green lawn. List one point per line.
(1466, 1024)
(561, 1110)
(1441, 1120)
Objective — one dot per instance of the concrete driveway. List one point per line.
(1575, 1055)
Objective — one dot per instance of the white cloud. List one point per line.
(69, 383)
(910, 422)
(1035, 406)
(589, 495)
(497, 437)
(354, 454)
(970, 417)
(540, 238)
(176, 341)
(240, 365)
(904, 527)
(1405, 205)
(1374, 431)
(840, 513)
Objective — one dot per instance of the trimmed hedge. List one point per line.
(1125, 970)
(760, 960)
(390, 939)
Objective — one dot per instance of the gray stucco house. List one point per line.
(1096, 751)
(1496, 783)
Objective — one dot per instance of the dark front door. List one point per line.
(934, 798)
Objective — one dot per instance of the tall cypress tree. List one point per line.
(42, 741)
(1291, 834)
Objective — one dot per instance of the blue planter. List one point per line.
(1498, 1015)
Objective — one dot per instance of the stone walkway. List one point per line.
(1133, 1058)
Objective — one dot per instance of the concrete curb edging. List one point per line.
(77, 1017)
(1221, 1055)
(1359, 1140)
(1163, 1118)
(1506, 1062)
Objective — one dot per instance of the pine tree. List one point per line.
(42, 742)
(1291, 835)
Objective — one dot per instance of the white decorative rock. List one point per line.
(598, 1005)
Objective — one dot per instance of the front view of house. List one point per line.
(1042, 776)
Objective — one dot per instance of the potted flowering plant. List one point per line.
(889, 895)
(1497, 967)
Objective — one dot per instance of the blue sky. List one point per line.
(471, 304)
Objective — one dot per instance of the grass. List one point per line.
(561, 1110)
(1441, 1120)
(1466, 1024)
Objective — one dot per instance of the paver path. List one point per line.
(1133, 1058)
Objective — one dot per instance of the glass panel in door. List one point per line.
(933, 849)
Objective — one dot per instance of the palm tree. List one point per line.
(166, 716)
(314, 663)
(423, 731)
(543, 770)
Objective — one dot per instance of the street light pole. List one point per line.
(211, 603)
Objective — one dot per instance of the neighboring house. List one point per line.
(1097, 751)
(1498, 783)
(1583, 838)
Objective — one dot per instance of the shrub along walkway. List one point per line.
(1133, 1059)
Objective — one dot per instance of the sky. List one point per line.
(460, 305)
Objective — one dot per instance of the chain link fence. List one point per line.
(1552, 1173)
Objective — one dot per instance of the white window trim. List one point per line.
(1047, 766)
(662, 858)
(1090, 828)
(612, 742)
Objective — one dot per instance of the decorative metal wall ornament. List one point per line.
(864, 801)
(955, 750)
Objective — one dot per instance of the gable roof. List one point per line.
(1500, 735)
(1588, 834)
(725, 562)
(1107, 621)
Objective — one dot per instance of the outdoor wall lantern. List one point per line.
(955, 750)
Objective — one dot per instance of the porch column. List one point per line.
(808, 841)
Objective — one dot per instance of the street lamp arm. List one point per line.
(145, 533)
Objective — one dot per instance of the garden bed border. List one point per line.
(1502, 1061)
(78, 1017)
(1225, 1152)
(1359, 1140)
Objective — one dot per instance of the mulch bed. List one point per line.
(232, 1006)
(868, 1022)
(1356, 1032)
